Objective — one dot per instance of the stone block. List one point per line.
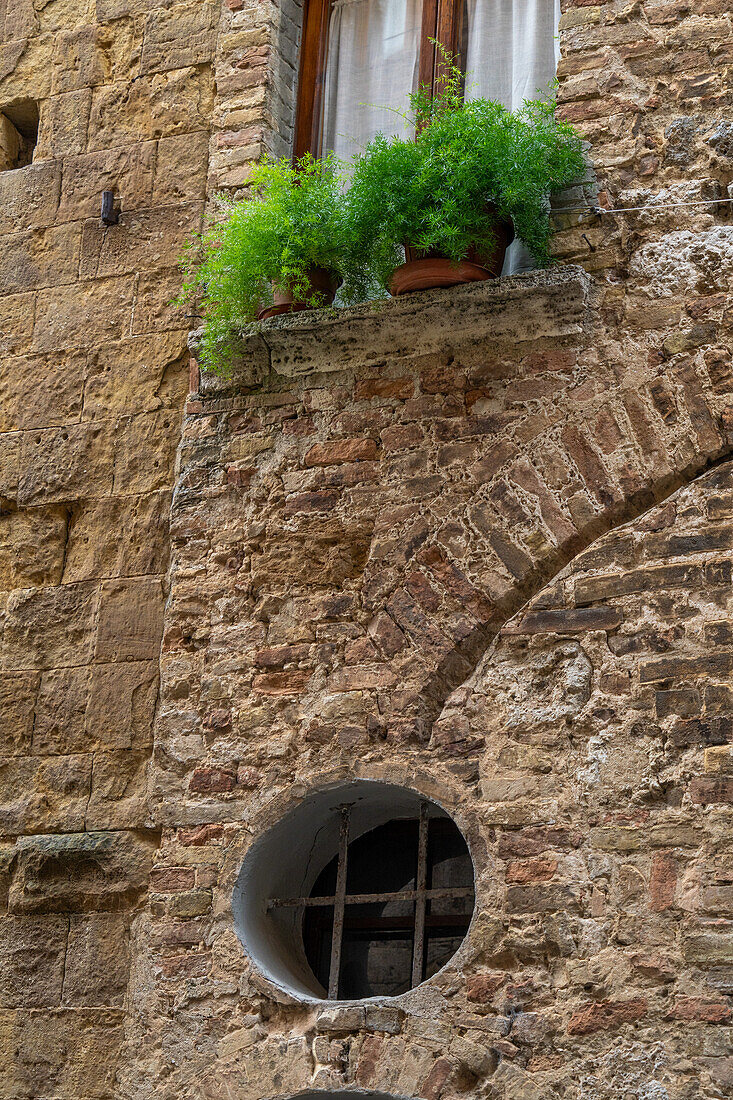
(119, 791)
(66, 463)
(156, 105)
(38, 793)
(153, 310)
(84, 314)
(81, 872)
(61, 1053)
(18, 692)
(92, 55)
(97, 960)
(141, 241)
(29, 197)
(183, 35)
(47, 627)
(118, 537)
(32, 953)
(128, 172)
(17, 314)
(42, 391)
(10, 444)
(32, 545)
(64, 125)
(141, 375)
(121, 705)
(39, 258)
(146, 447)
(60, 711)
(130, 620)
(180, 170)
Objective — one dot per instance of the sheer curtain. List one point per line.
(513, 49)
(512, 55)
(372, 63)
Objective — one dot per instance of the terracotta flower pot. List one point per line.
(429, 270)
(322, 281)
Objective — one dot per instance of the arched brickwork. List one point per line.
(588, 759)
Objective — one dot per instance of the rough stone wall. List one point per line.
(359, 512)
(94, 374)
(360, 519)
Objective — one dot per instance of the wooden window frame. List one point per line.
(441, 20)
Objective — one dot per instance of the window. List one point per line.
(360, 58)
(18, 134)
(384, 897)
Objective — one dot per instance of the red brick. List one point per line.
(247, 777)
(368, 1057)
(342, 450)
(322, 501)
(202, 834)
(480, 988)
(605, 1015)
(531, 870)
(401, 388)
(277, 656)
(433, 1085)
(442, 379)
(282, 683)
(299, 427)
(709, 791)
(168, 880)
(212, 780)
(530, 842)
(662, 882)
(186, 966)
(707, 1009)
(401, 436)
(219, 719)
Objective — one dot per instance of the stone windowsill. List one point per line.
(553, 302)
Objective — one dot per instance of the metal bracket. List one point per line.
(110, 216)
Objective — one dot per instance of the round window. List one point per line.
(365, 890)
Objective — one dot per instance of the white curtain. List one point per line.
(513, 49)
(371, 64)
(512, 55)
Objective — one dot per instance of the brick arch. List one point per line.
(441, 602)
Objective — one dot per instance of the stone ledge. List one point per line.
(550, 303)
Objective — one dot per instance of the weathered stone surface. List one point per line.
(97, 960)
(130, 620)
(94, 549)
(18, 691)
(32, 953)
(82, 871)
(60, 464)
(32, 547)
(71, 1051)
(44, 625)
(41, 793)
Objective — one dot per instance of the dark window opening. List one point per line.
(390, 909)
(18, 134)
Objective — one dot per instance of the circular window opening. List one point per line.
(364, 890)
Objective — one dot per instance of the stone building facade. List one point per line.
(475, 543)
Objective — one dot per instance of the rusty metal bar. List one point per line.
(421, 882)
(367, 899)
(339, 903)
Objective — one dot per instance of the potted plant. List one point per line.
(282, 250)
(454, 196)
